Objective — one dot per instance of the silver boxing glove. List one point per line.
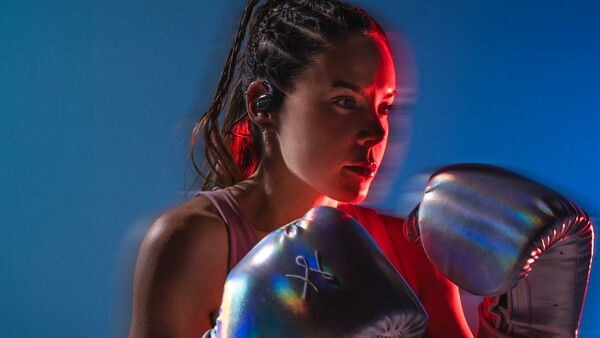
(498, 234)
(321, 276)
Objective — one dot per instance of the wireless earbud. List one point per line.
(269, 101)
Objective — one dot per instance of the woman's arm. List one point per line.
(180, 273)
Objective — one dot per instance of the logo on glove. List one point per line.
(303, 262)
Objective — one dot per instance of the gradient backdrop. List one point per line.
(97, 99)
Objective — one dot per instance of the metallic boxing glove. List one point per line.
(498, 234)
(321, 276)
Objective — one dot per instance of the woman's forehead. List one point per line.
(359, 61)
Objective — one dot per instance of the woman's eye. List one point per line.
(346, 103)
(385, 109)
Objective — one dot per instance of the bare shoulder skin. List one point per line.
(180, 273)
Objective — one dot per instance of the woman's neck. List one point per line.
(270, 199)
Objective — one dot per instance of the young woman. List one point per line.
(306, 107)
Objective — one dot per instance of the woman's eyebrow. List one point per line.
(357, 89)
(345, 84)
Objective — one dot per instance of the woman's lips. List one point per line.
(366, 170)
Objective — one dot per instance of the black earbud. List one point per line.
(269, 101)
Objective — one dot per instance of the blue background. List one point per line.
(97, 99)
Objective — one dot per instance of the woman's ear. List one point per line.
(261, 101)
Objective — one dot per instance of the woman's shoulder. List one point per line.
(188, 231)
(181, 264)
(192, 220)
(193, 227)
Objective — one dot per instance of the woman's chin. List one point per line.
(353, 196)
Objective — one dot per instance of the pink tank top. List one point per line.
(241, 234)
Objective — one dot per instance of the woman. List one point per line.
(305, 125)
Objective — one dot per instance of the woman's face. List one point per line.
(332, 129)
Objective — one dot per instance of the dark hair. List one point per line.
(285, 38)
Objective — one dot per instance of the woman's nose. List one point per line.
(373, 130)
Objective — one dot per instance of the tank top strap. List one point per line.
(241, 234)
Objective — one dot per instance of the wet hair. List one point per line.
(285, 38)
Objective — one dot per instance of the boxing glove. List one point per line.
(495, 233)
(321, 276)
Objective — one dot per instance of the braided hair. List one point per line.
(285, 37)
